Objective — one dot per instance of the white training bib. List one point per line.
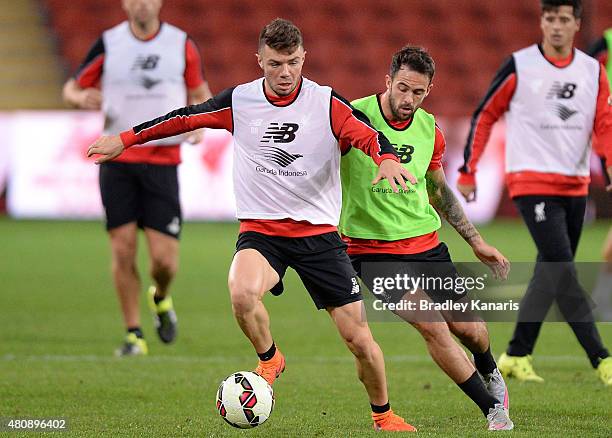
(142, 79)
(551, 114)
(286, 159)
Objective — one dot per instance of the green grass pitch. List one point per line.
(60, 324)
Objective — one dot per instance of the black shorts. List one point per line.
(147, 194)
(320, 261)
(433, 268)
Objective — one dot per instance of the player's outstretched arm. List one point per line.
(214, 113)
(445, 202)
(197, 95)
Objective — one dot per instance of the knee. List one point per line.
(433, 332)
(244, 295)
(164, 264)
(123, 255)
(361, 343)
(470, 333)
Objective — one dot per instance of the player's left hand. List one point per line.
(108, 146)
(490, 256)
(395, 173)
(196, 137)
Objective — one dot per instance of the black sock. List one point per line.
(485, 364)
(380, 409)
(157, 299)
(595, 361)
(136, 331)
(475, 389)
(268, 354)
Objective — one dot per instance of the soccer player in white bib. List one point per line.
(289, 133)
(134, 71)
(554, 97)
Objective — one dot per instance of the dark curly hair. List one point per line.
(416, 59)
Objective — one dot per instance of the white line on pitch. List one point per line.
(227, 359)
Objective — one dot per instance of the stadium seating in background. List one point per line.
(601, 17)
(31, 72)
(349, 43)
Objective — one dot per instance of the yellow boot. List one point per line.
(519, 367)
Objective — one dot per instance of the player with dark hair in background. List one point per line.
(134, 71)
(553, 96)
(289, 133)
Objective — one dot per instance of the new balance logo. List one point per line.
(284, 133)
(146, 62)
(565, 91)
(355, 289)
(540, 214)
(279, 156)
(404, 152)
(563, 112)
(148, 82)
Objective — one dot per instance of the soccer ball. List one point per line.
(245, 400)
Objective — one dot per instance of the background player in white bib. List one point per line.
(137, 70)
(554, 97)
(289, 133)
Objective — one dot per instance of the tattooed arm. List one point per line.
(445, 202)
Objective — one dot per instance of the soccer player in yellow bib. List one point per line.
(387, 230)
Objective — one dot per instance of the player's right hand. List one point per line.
(107, 146)
(394, 173)
(90, 98)
(468, 191)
